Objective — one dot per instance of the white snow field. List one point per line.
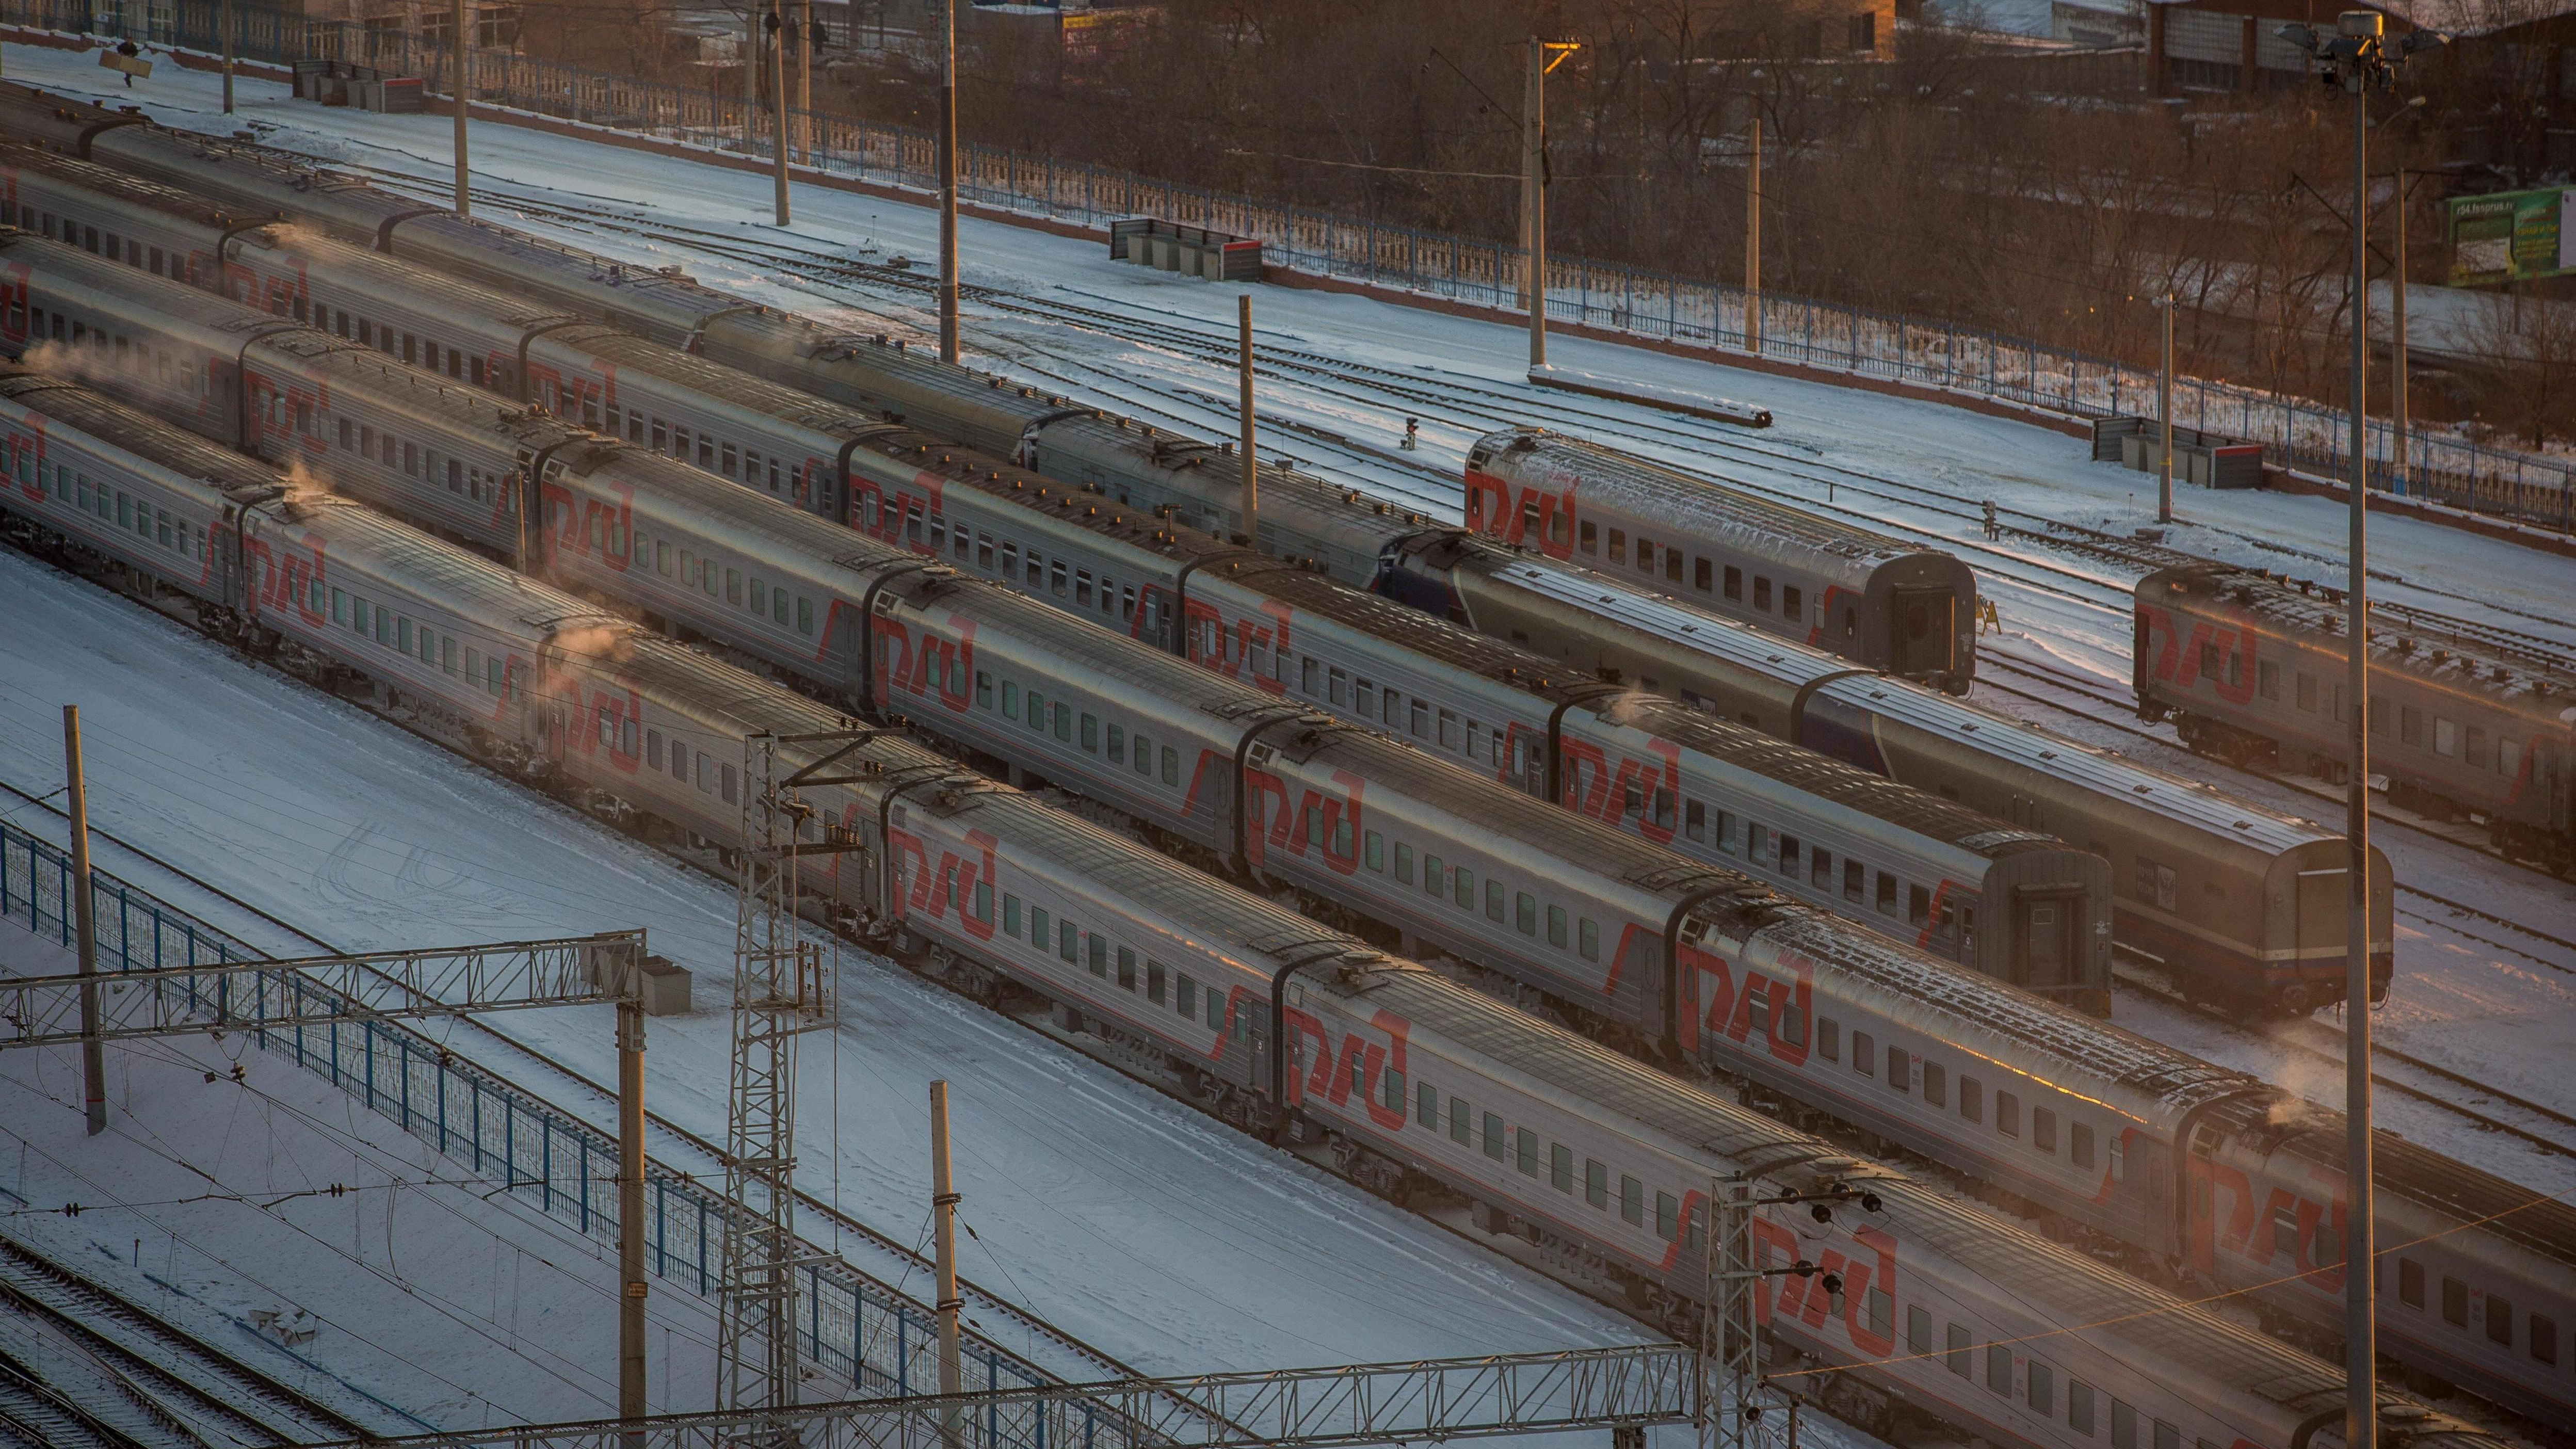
(2471, 995)
(1119, 1215)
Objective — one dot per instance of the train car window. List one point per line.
(1948, 921)
(1403, 863)
(1886, 894)
(1082, 587)
(1090, 733)
(1462, 887)
(447, 665)
(2167, 1436)
(1936, 1083)
(1672, 565)
(1459, 1119)
(1171, 766)
(1590, 535)
(1789, 856)
(1899, 1074)
(2008, 1114)
(2079, 1407)
(1127, 968)
(1560, 1167)
(1695, 820)
(2079, 1143)
(2308, 692)
(2499, 1320)
(1829, 1039)
(1117, 744)
(727, 792)
(1448, 730)
(1972, 1099)
(2544, 1338)
(983, 898)
(1185, 1001)
(1918, 1330)
(1493, 899)
(1864, 1059)
(1010, 700)
(1820, 872)
(1524, 908)
(2476, 752)
(1556, 927)
(2410, 725)
(1068, 944)
(1632, 1200)
(733, 586)
(1761, 593)
(759, 596)
(2267, 680)
(1038, 933)
(804, 616)
(1390, 1082)
(1999, 1371)
(2446, 737)
(2509, 758)
(1792, 603)
(2124, 1426)
(1855, 877)
(1646, 556)
(1668, 1213)
(1496, 1145)
(1957, 1348)
(1426, 1105)
(1588, 939)
(1618, 546)
(2043, 1130)
(2209, 659)
(1596, 1178)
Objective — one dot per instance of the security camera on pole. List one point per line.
(2355, 58)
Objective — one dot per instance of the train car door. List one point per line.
(1921, 635)
(2048, 937)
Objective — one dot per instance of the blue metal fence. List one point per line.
(2440, 466)
(855, 1327)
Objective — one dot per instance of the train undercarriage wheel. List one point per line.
(2295, 999)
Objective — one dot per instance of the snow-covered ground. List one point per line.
(2472, 996)
(1115, 1213)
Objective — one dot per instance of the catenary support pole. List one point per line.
(1251, 470)
(2164, 410)
(1534, 158)
(464, 52)
(2401, 477)
(1753, 239)
(948, 181)
(93, 1053)
(2361, 1328)
(805, 80)
(631, 1404)
(751, 79)
(778, 110)
(943, 1202)
(225, 20)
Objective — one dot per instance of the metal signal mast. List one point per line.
(782, 989)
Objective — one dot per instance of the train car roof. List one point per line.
(2098, 770)
(95, 414)
(1691, 501)
(2525, 680)
(186, 207)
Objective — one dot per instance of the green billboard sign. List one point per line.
(2512, 236)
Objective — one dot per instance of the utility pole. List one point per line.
(751, 79)
(778, 106)
(2164, 407)
(226, 21)
(2397, 380)
(1534, 202)
(630, 1216)
(1753, 239)
(805, 80)
(464, 90)
(93, 1051)
(1251, 471)
(2355, 58)
(948, 180)
(943, 1203)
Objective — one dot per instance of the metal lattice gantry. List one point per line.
(1313, 1408)
(782, 989)
(276, 994)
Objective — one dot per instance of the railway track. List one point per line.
(1477, 407)
(179, 1377)
(35, 1415)
(978, 1300)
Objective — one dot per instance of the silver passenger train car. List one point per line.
(2252, 670)
(1278, 790)
(1264, 1016)
(1857, 595)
